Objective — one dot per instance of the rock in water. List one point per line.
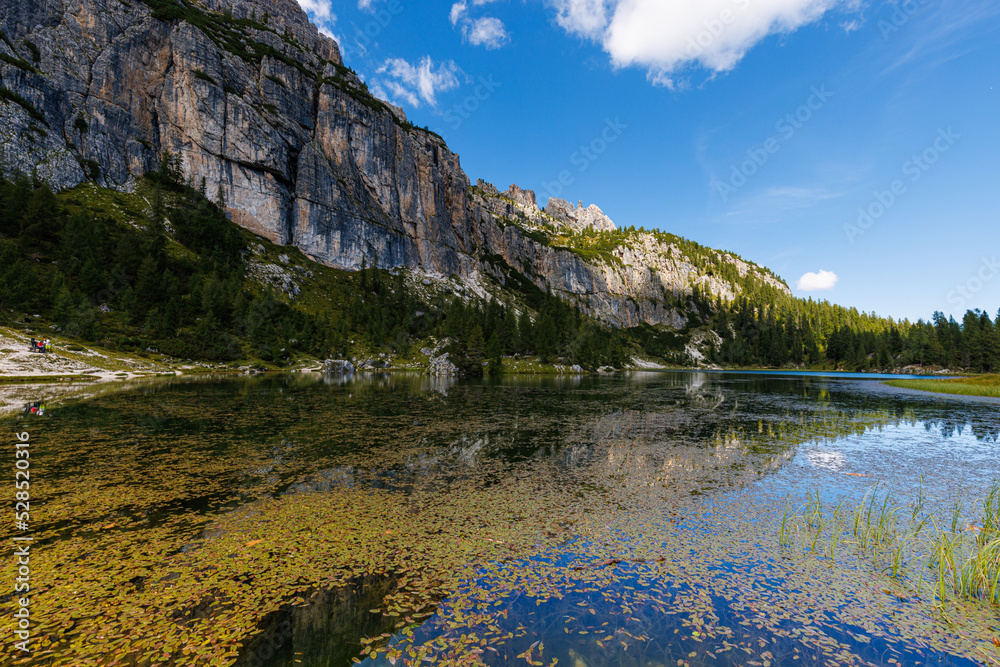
(443, 366)
(338, 366)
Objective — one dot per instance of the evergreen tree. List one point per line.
(475, 352)
(545, 337)
(494, 352)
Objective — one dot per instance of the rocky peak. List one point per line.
(579, 218)
(284, 15)
(259, 106)
(523, 198)
(488, 188)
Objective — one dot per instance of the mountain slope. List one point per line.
(267, 118)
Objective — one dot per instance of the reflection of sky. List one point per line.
(655, 440)
(827, 459)
(952, 462)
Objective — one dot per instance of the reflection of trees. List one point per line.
(679, 430)
(689, 431)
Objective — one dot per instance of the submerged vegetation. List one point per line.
(610, 521)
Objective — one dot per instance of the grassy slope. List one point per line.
(983, 385)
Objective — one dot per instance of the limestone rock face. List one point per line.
(579, 218)
(261, 108)
(523, 198)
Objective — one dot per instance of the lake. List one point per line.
(654, 518)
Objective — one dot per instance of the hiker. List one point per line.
(34, 344)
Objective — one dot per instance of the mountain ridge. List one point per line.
(266, 117)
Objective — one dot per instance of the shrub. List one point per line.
(200, 74)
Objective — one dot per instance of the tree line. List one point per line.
(174, 279)
(768, 328)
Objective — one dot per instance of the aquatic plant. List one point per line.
(969, 571)
(874, 522)
(991, 515)
(785, 536)
(481, 555)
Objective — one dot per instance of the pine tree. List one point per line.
(495, 354)
(545, 337)
(475, 352)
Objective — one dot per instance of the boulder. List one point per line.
(443, 366)
(338, 366)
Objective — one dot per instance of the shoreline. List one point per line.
(74, 361)
(75, 368)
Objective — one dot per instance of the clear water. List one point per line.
(676, 484)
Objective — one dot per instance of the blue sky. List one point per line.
(853, 147)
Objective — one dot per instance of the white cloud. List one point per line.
(458, 11)
(487, 31)
(318, 9)
(365, 5)
(667, 37)
(415, 84)
(587, 18)
(815, 282)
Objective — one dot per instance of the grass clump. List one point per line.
(875, 522)
(954, 564)
(983, 385)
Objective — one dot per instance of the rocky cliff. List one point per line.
(265, 115)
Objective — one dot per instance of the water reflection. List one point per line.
(226, 446)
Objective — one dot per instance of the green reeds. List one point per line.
(942, 560)
(991, 516)
(839, 523)
(920, 500)
(785, 536)
(962, 567)
(980, 575)
(874, 522)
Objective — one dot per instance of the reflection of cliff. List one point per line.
(416, 382)
(679, 432)
(328, 628)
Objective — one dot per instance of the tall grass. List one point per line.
(984, 385)
(874, 522)
(959, 566)
(980, 575)
(991, 516)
